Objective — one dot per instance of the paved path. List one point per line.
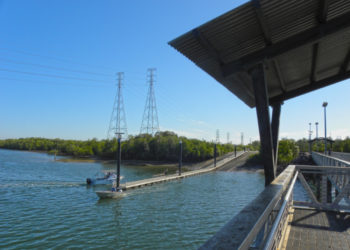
(313, 229)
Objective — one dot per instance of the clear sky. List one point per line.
(59, 59)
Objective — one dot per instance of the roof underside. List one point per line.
(304, 45)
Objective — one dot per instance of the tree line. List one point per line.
(163, 146)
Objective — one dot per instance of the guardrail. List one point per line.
(327, 160)
(251, 227)
(262, 223)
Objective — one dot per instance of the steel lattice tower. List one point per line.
(217, 136)
(150, 123)
(117, 123)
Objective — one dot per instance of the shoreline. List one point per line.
(187, 166)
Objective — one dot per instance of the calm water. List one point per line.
(45, 204)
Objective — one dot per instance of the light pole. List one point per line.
(316, 123)
(119, 156)
(325, 127)
(310, 132)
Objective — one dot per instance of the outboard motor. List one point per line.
(88, 181)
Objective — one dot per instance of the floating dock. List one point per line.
(165, 178)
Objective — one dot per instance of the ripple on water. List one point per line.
(50, 212)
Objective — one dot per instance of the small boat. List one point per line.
(110, 194)
(116, 190)
(108, 178)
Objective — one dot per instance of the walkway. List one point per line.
(314, 229)
(165, 178)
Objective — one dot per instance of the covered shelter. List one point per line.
(268, 51)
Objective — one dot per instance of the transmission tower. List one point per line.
(117, 124)
(150, 123)
(217, 136)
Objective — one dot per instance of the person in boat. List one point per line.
(114, 186)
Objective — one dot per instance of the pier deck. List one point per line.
(315, 229)
(165, 178)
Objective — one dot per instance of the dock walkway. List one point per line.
(317, 229)
(165, 178)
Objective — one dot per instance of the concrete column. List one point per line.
(275, 125)
(263, 115)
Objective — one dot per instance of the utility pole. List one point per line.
(228, 137)
(242, 138)
(217, 136)
(316, 123)
(117, 124)
(180, 157)
(150, 123)
(324, 105)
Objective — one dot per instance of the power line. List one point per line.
(54, 68)
(55, 58)
(53, 76)
(54, 83)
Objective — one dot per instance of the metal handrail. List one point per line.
(274, 228)
(323, 156)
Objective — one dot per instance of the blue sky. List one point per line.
(59, 59)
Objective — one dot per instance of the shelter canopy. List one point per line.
(304, 46)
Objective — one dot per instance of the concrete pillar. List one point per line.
(275, 125)
(263, 115)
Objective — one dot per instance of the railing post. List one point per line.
(324, 188)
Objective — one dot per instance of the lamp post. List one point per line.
(310, 132)
(119, 158)
(325, 127)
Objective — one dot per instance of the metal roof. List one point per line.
(303, 44)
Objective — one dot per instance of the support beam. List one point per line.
(279, 74)
(345, 63)
(262, 111)
(308, 88)
(267, 38)
(306, 37)
(275, 125)
(206, 45)
(314, 63)
(323, 11)
(262, 21)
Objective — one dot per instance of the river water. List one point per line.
(46, 204)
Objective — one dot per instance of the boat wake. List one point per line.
(34, 184)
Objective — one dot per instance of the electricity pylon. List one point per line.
(218, 136)
(117, 124)
(150, 123)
